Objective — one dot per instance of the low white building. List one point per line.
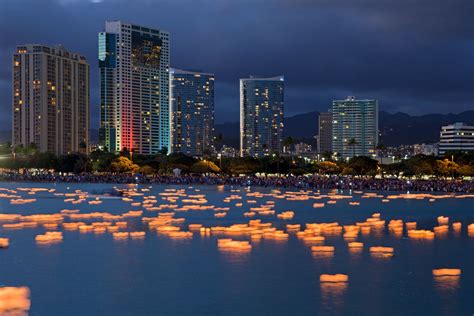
(456, 137)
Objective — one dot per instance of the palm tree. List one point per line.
(288, 142)
(352, 143)
(380, 147)
(219, 141)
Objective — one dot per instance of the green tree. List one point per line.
(447, 168)
(205, 166)
(363, 165)
(328, 167)
(219, 141)
(164, 150)
(380, 148)
(147, 170)
(123, 165)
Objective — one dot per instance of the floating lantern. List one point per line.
(120, 235)
(137, 235)
(446, 272)
(4, 243)
(333, 278)
(322, 248)
(286, 215)
(49, 237)
(443, 220)
(14, 300)
(355, 244)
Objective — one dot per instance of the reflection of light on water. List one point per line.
(355, 252)
(447, 283)
(397, 233)
(332, 294)
(378, 231)
(381, 255)
(235, 256)
(323, 256)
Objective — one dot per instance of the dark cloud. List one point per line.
(414, 56)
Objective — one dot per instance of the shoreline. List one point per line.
(301, 182)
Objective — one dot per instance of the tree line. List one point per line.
(453, 164)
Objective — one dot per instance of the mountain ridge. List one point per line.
(395, 128)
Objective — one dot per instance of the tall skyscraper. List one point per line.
(192, 112)
(50, 99)
(325, 133)
(261, 116)
(134, 88)
(456, 137)
(354, 127)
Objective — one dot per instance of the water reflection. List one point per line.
(332, 295)
(447, 283)
(235, 256)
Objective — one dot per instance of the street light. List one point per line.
(219, 155)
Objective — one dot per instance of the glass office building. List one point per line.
(134, 88)
(192, 112)
(261, 116)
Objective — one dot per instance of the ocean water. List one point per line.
(91, 274)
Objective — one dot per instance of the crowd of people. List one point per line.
(284, 181)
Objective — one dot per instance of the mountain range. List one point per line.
(395, 128)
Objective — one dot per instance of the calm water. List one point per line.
(91, 274)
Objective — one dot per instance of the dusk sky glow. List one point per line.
(413, 56)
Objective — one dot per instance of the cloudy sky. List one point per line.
(414, 56)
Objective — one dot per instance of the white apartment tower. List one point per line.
(354, 127)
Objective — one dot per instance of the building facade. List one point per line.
(324, 137)
(261, 116)
(50, 99)
(192, 112)
(303, 148)
(134, 88)
(354, 127)
(425, 149)
(456, 137)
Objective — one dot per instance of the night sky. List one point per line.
(414, 56)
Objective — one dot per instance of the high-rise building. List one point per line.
(134, 88)
(325, 133)
(192, 112)
(50, 99)
(456, 137)
(261, 116)
(354, 127)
